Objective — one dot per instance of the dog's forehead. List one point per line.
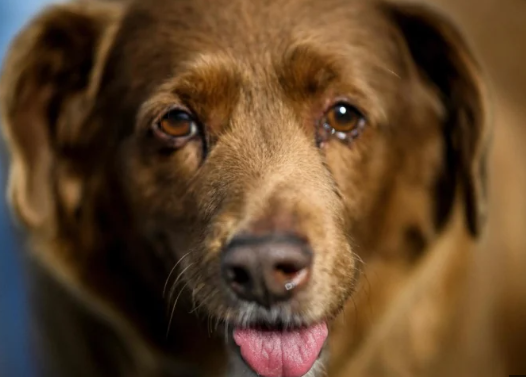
(252, 27)
(160, 39)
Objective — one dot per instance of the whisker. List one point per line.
(173, 309)
(200, 304)
(179, 277)
(218, 320)
(226, 331)
(171, 272)
(195, 292)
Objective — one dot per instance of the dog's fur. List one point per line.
(394, 217)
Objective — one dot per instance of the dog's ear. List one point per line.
(49, 75)
(443, 58)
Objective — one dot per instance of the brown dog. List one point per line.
(249, 187)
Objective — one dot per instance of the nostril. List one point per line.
(290, 270)
(287, 269)
(238, 275)
(268, 269)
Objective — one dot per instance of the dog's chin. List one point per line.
(277, 350)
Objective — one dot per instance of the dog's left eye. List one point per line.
(343, 120)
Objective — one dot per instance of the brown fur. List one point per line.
(394, 217)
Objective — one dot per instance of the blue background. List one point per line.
(15, 355)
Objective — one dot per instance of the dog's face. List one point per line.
(251, 152)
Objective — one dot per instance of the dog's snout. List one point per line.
(266, 269)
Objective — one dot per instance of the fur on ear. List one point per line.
(442, 57)
(50, 72)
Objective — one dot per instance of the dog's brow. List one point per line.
(305, 71)
(209, 85)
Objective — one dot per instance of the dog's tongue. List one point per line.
(281, 353)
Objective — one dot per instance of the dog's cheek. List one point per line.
(156, 190)
(333, 280)
(363, 173)
(359, 170)
(157, 181)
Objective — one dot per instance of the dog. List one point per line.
(255, 188)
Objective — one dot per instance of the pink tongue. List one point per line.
(281, 354)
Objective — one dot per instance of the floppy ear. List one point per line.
(48, 77)
(443, 58)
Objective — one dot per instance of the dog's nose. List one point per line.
(266, 269)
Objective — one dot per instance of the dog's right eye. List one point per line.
(175, 128)
(176, 124)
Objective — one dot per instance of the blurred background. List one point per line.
(495, 28)
(15, 352)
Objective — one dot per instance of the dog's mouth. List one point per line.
(281, 352)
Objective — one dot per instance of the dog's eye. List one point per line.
(177, 124)
(343, 120)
